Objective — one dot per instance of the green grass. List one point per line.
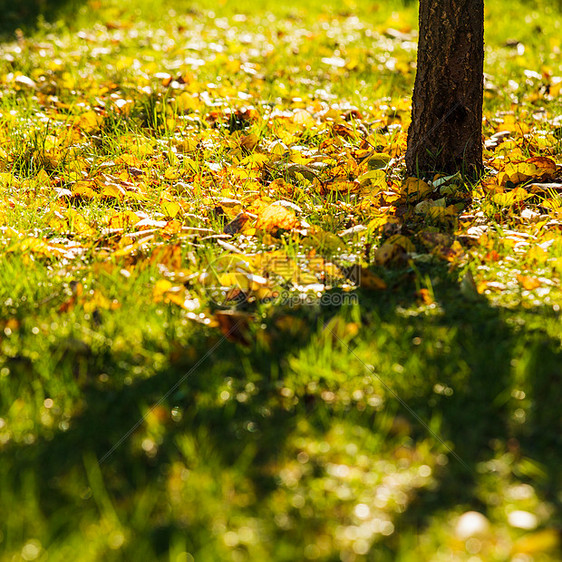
(133, 428)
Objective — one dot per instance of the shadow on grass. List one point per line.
(220, 431)
(494, 356)
(507, 406)
(24, 14)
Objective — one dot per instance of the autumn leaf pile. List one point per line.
(114, 161)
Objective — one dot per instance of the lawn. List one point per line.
(231, 328)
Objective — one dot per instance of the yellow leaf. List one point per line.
(254, 159)
(379, 221)
(125, 219)
(89, 121)
(374, 178)
(6, 179)
(42, 178)
(414, 189)
(455, 251)
(171, 173)
(172, 227)
(112, 191)
(35, 246)
(244, 173)
(537, 255)
(304, 118)
(161, 287)
(378, 161)
(187, 145)
(181, 299)
(96, 300)
(544, 167)
(129, 160)
(187, 102)
(539, 167)
(323, 241)
(275, 217)
(169, 208)
(511, 197)
(131, 249)
(238, 279)
(79, 225)
(84, 189)
(58, 223)
(190, 166)
(514, 125)
(438, 213)
(249, 142)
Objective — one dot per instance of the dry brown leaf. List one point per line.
(370, 281)
(236, 224)
(234, 325)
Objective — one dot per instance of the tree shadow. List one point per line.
(25, 14)
(507, 405)
(252, 430)
(113, 420)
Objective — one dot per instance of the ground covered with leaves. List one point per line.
(232, 328)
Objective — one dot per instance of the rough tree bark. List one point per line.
(446, 130)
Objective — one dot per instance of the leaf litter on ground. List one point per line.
(231, 162)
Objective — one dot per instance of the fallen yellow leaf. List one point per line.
(414, 189)
(276, 217)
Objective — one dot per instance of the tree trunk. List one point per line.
(446, 130)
